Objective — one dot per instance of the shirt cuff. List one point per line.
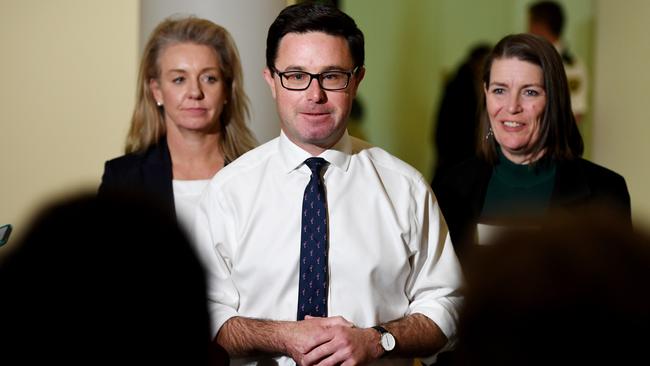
(445, 316)
(220, 314)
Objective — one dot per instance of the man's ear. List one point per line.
(360, 74)
(268, 76)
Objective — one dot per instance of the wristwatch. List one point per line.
(387, 340)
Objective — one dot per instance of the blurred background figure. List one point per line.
(529, 164)
(547, 19)
(457, 120)
(103, 280)
(355, 120)
(189, 119)
(574, 292)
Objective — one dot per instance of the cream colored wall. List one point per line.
(69, 69)
(621, 129)
(410, 46)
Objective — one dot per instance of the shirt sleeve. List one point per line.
(434, 283)
(214, 236)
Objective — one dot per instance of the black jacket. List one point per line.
(148, 173)
(578, 184)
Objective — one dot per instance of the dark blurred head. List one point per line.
(476, 57)
(574, 291)
(546, 17)
(307, 17)
(559, 137)
(104, 280)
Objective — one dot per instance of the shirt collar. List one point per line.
(293, 156)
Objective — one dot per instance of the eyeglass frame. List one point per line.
(317, 77)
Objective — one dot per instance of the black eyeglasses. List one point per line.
(328, 80)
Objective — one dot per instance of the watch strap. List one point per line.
(383, 331)
(380, 329)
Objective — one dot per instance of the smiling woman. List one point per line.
(515, 99)
(529, 163)
(189, 119)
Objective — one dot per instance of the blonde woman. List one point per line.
(189, 119)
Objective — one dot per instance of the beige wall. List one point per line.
(69, 69)
(621, 130)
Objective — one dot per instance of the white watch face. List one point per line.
(387, 341)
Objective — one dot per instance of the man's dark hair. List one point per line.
(314, 17)
(549, 13)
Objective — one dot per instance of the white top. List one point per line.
(389, 249)
(186, 199)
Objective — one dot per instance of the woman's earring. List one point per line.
(159, 104)
(489, 134)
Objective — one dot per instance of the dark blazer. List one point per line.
(578, 184)
(148, 173)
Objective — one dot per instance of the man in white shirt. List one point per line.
(546, 19)
(390, 277)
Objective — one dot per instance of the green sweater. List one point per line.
(518, 191)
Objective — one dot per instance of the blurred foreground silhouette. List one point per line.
(108, 280)
(574, 291)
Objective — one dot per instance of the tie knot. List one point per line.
(316, 165)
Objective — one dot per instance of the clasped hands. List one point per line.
(331, 341)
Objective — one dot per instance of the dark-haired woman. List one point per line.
(529, 163)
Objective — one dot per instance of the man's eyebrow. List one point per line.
(323, 69)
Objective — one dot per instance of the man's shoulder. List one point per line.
(247, 163)
(384, 160)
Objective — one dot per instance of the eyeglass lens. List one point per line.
(300, 80)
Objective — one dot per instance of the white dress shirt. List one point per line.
(389, 249)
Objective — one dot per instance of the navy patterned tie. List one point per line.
(312, 287)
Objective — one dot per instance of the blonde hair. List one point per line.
(148, 123)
